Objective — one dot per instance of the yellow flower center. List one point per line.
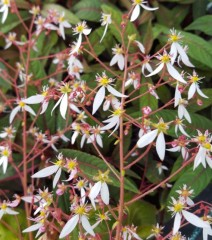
(178, 207)
(177, 236)
(161, 126)
(80, 184)
(59, 163)
(103, 177)
(6, 2)
(201, 138)
(207, 145)
(194, 79)
(3, 206)
(103, 217)
(119, 51)
(185, 193)
(118, 112)
(21, 104)
(80, 28)
(65, 89)
(165, 58)
(104, 81)
(156, 230)
(81, 210)
(174, 38)
(9, 130)
(138, 1)
(71, 165)
(11, 37)
(61, 19)
(5, 153)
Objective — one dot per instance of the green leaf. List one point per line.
(4, 85)
(202, 24)
(197, 180)
(199, 8)
(88, 10)
(90, 165)
(69, 16)
(141, 214)
(12, 21)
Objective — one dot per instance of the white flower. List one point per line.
(207, 231)
(133, 79)
(48, 171)
(146, 65)
(114, 121)
(118, 57)
(130, 233)
(161, 168)
(11, 39)
(179, 125)
(179, 145)
(96, 136)
(176, 48)
(35, 10)
(182, 111)
(4, 8)
(111, 101)
(105, 21)
(194, 79)
(22, 106)
(4, 158)
(75, 67)
(152, 91)
(136, 10)
(156, 231)
(81, 186)
(158, 133)
(8, 132)
(63, 24)
(165, 60)
(104, 83)
(100, 188)
(5, 209)
(63, 100)
(81, 212)
(80, 29)
(185, 193)
(71, 166)
(178, 211)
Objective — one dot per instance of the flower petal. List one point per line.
(193, 219)
(191, 90)
(161, 146)
(34, 99)
(86, 225)
(33, 228)
(135, 13)
(115, 92)
(64, 105)
(57, 177)
(174, 73)
(157, 70)
(29, 109)
(13, 113)
(45, 172)
(105, 193)
(99, 98)
(147, 138)
(69, 226)
(177, 222)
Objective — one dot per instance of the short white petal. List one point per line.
(147, 138)
(69, 226)
(174, 73)
(74, 108)
(177, 223)
(193, 219)
(44, 106)
(13, 113)
(99, 98)
(61, 28)
(57, 177)
(135, 13)
(121, 62)
(173, 53)
(45, 172)
(140, 46)
(157, 70)
(105, 193)
(87, 31)
(183, 131)
(161, 146)
(74, 136)
(5, 164)
(64, 105)
(181, 111)
(86, 225)
(114, 60)
(11, 212)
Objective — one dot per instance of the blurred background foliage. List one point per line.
(191, 17)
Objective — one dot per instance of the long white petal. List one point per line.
(106, 26)
(95, 190)
(5, 13)
(34, 99)
(191, 90)
(157, 70)
(183, 55)
(115, 92)
(57, 103)
(187, 116)
(161, 146)
(121, 62)
(33, 228)
(181, 111)
(62, 32)
(193, 219)
(201, 93)
(86, 225)
(13, 113)
(45, 172)
(148, 8)
(105, 193)
(44, 106)
(5, 163)
(11, 212)
(135, 13)
(29, 109)
(140, 46)
(57, 177)
(173, 53)
(99, 98)
(69, 227)
(64, 105)
(147, 138)
(174, 73)
(177, 222)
